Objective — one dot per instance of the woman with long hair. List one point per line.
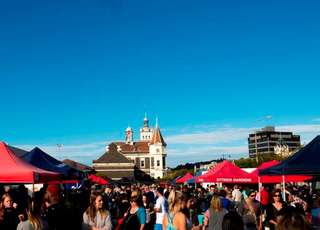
(96, 217)
(150, 215)
(273, 209)
(214, 215)
(175, 219)
(191, 213)
(8, 215)
(292, 219)
(34, 221)
(250, 211)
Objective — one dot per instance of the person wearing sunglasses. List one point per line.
(273, 209)
(250, 210)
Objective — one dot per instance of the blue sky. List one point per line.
(79, 72)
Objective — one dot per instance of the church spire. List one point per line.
(129, 135)
(145, 121)
(157, 137)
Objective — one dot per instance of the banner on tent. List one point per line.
(234, 180)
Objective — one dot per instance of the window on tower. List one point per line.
(158, 163)
(142, 164)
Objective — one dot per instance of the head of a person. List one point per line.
(153, 187)
(146, 188)
(7, 189)
(215, 203)
(291, 219)
(52, 195)
(277, 196)
(108, 190)
(96, 205)
(135, 193)
(177, 201)
(6, 201)
(191, 202)
(252, 195)
(145, 198)
(159, 191)
(96, 200)
(229, 194)
(232, 221)
(223, 193)
(33, 212)
(136, 201)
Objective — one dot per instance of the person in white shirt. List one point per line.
(236, 194)
(161, 208)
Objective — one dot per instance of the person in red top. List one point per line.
(264, 197)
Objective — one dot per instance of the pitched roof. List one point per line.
(17, 151)
(135, 147)
(157, 137)
(77, 165)
(112, 156)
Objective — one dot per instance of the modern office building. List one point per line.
(268, 141)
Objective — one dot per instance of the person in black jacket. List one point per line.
(55, 212)
(8, 215)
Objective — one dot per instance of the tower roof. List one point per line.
(157, 137)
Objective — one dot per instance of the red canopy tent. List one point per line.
(185, 178)
(63, 182)
(15, 170)
(276, 179)
(227, 172)
(97, 179)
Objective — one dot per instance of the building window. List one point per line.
(152, 162)
(142, 163)
(157, 150)
(158, 162)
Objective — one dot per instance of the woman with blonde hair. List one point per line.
(8, 214)
(34, 221)
(214, 215)
(96, 217)
(175, 219)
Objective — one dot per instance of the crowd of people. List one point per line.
(167, 207)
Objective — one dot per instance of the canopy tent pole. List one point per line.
(259, 188)
(32, 189)
(284, 189)
(194, 176)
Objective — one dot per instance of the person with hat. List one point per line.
(55, 212)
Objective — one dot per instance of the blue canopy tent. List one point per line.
(304, 162)
(42, 160)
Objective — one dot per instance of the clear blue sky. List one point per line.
(77, 72)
